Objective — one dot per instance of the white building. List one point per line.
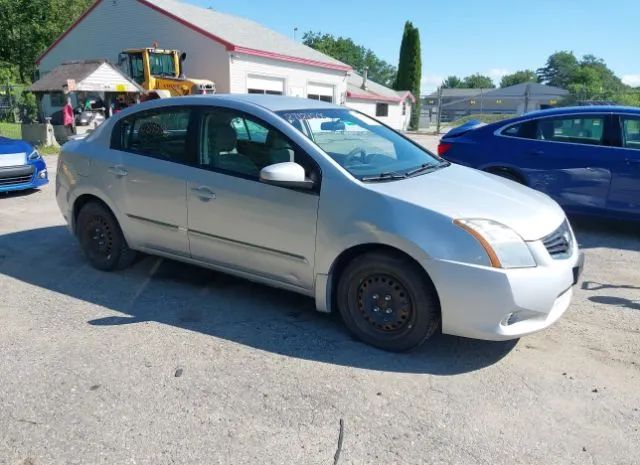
(239, 55)
(389, 106)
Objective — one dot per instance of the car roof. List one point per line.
(583, 109)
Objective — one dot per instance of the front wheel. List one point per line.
(388, 302)
(101, 238)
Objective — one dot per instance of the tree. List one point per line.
(410, 69)
(27, 27)
(518, 77)
(559, 70)
(478, 81)
(452, 82)
(356, 56)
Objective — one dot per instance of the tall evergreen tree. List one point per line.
(410, 69)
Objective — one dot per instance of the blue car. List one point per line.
(586, 158)
(21, 166)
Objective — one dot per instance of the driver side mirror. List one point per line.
(287, 174)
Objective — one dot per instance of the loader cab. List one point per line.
(147, 64)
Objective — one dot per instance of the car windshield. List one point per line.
(367, 149)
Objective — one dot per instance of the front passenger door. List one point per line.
(236, 221)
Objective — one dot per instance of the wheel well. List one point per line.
(81, 202)
(346, 256)
(503, 169)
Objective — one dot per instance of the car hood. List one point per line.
(460, 192)
(14, 146)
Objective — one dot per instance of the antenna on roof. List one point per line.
(365, 76)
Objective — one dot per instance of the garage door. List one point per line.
(265, 85)
(322, 92)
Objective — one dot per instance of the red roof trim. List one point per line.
(378, 98)
(228, 45)
(64, 34)
(410, 95)
(289, 58)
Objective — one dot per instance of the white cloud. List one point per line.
(430, 83)
(632, 80)
(497, 74)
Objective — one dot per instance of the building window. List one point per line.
(322, 98)
(382, 109)
(264, 92)
(58, 99)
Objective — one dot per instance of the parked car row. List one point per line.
(328, 202)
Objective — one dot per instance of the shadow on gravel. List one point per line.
(599, 232)
(219, 305)
(616, 301)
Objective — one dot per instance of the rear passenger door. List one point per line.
(568, 157)
(156, 154)
(624, 195)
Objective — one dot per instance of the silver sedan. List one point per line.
(325, 201)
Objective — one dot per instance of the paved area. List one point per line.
(171, 364)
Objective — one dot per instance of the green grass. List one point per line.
(48, 150)
(11, 130)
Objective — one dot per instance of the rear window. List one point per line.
(573, 129)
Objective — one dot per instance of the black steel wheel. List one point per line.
(388, 301)
(101, 238)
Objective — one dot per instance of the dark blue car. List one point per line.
(21, 166)
(586, 158)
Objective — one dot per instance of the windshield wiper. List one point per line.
(386, 176)
(426, 167)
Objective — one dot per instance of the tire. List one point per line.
(507, 174)
(383, 281)
(101, 238)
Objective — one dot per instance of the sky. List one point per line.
(462, 37)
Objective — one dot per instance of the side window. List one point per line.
(574, 129)
(382, 109)
(136, 67)
(523, 130)
(159, 134)
(237, 144)
(631, 133)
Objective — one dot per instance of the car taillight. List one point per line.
(443, 148)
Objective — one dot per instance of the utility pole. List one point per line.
(481, 101)
(439, 110)
(526, 99)
(295, 33)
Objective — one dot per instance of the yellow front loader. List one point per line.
(162, 70)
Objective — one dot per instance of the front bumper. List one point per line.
(496, 304)
(16, 178)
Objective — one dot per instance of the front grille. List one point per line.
(14, 175)
(559, 243)
(15, 180)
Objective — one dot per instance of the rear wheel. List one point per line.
(388, 301)
(101, 238)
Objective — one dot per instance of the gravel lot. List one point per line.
(170, 364)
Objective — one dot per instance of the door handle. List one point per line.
(118, 171)
(633, 162)
(536, 152)
(204, 193)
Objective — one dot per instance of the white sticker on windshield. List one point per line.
(364, 118)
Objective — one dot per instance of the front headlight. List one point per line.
(505, 248)
(34, 156)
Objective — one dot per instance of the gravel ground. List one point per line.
(168, 364)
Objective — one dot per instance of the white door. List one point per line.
(323, 92)
(265, 85)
